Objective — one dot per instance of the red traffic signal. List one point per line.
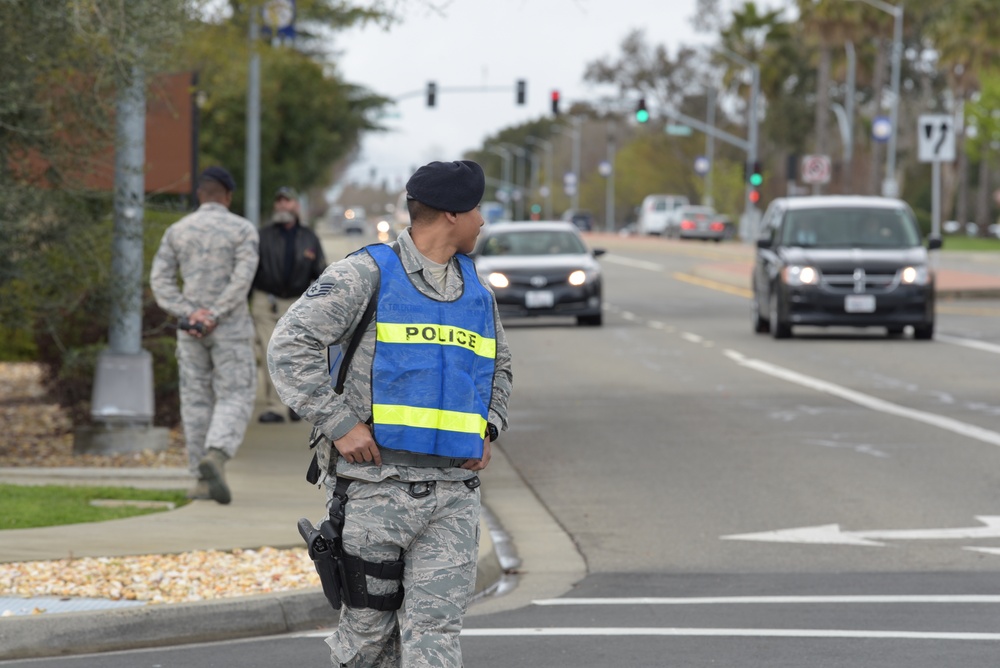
(555, 102)
(753, 196)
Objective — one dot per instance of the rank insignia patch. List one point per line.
(319, 290)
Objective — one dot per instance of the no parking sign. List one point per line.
(816, 169)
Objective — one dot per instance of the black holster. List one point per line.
(344, 576)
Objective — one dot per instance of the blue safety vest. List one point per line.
(432, 372)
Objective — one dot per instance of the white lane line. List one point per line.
(724, 633)
(866, 400)
(760, 600)
(969, 343)
(693, 338)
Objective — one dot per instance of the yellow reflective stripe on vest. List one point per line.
(391, 332)
(430, 418)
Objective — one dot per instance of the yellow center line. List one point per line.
(712, 285)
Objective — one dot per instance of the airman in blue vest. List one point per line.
(425, 394)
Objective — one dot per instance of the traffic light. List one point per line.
(753, 195)
(641, 114)
(431, 93)
(555, 103)
(522, 91)
(756, 176)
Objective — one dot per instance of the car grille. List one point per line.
(847, 280)
(539, 280)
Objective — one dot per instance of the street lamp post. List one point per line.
(748, 226)
(505, 155)
(547, 145)
(889, 186)
(519, 177)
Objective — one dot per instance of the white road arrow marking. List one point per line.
(831, 534)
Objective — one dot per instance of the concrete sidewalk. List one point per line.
(270, 493)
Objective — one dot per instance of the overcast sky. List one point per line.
(489, 44)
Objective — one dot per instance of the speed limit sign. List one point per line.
(816, 169)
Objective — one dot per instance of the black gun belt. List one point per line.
(401, 458)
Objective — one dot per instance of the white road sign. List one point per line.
(816, 169)
(936, 138)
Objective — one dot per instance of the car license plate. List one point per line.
(859, 303)
(539, 299)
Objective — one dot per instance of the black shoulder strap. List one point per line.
(362, 327)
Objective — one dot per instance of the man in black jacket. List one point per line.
(291, 258)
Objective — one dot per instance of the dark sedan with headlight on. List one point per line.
(842, 260)
(541, 269)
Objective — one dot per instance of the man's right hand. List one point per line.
(357, 446)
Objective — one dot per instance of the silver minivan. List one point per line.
(655, 211)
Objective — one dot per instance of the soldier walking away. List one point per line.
(291, 258)
(214, 253)
(399, 448)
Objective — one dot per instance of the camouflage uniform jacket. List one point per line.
(216, 253)
(327, 314)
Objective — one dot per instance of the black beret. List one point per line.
(448, 186)
(219, 175)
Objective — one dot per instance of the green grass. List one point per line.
(960, 242)
(24, 507)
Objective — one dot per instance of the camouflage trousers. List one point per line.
(438, 535)
(266, 314)
(218, 386)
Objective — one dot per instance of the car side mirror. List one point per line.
(598, 252)
(764, 243)
(934, 243)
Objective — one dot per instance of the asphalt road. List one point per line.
(829, 500)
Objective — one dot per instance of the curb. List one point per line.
(72, 633)
(157, 626)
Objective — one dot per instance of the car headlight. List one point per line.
(914, 276)
(498, 280)
(579, 277)
(795, 275)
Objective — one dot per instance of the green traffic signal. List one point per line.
(756, 180)
(641, 114)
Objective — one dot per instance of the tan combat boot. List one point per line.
(212, 470)
(199, 491)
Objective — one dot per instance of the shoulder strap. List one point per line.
(362, 327)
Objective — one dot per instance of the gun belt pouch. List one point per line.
(355, 586)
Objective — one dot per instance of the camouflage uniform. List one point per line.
(437, 534)
(215, 253)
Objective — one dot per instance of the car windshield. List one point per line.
(849, 228)
(534, 242)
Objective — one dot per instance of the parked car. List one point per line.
(541, 268)
(655, 210)
(842, 260)
(695, 222)
(584, 220)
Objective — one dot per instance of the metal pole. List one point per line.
(505, 156)
(710, 148)
(125, 333)
(936, 199)
(890, 188)
(548, 180)
(849, 104)
(575, 199)
(252, 185)
(609, 186)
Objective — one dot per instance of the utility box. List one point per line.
(123, 389)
